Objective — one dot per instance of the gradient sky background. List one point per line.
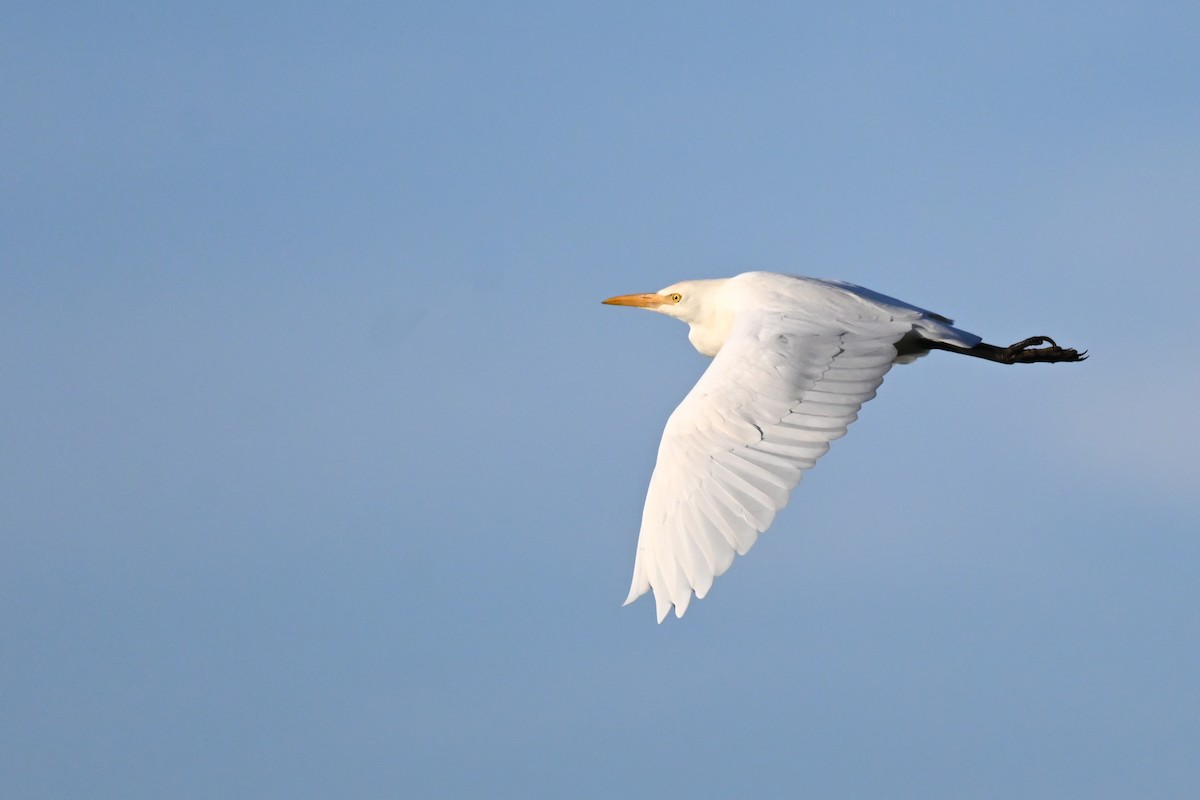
(321, 464)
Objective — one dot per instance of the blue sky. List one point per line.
(321, 464)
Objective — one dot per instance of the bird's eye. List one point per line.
(675, 298)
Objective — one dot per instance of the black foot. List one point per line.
(1027, 351)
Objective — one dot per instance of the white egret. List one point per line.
(795, 359)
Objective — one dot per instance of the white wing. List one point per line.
(780, 389)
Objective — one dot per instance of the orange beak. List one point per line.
(638, 300)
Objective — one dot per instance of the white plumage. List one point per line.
(794, 360)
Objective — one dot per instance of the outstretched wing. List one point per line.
(780, 389)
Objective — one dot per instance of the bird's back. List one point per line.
(833, 302)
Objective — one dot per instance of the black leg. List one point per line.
(1025, 351)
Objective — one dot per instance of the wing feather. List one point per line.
(778, 392)
(727, 522)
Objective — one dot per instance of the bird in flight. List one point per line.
(794, 359)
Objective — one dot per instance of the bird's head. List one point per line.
(698, 303)
(686, 300)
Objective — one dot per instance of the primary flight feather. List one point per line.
(793, 361)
